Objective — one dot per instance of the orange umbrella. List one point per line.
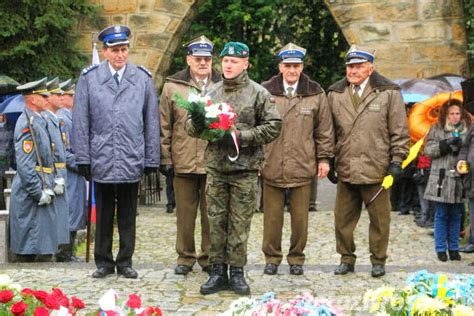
(424, 114)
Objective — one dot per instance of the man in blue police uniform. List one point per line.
(59, 153)
(76, 186)
(115, 138)
(33, 218)
(186, 153)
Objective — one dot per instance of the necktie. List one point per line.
(356, 95)
(200, 84)
(289, 92)
(116, 78)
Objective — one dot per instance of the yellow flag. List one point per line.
(414, 150)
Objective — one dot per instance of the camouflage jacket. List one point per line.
(258, 122)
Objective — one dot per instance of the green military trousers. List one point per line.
(347, 212)
(189, 190)
(231, 200)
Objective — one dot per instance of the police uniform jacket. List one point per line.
(369, 138)
(179, 149)
(59, 156)
(306, 136)
(75, 183)
(116, 127)
(258, 122)
(32, 227)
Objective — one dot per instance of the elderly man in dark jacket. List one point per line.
(115, 137)
(371, 142)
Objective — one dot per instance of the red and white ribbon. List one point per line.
(236, 144)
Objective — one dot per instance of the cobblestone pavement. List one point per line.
(411, 249)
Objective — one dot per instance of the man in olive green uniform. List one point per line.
(232, 185)
(186, 154)
(372, 141)
(302, 150)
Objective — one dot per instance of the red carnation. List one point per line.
(6, 296)
(19, 308)
(77, 303)
(57, 292)
(40, 295)
(27, 292)
(41, 311)
(64, 301)
(148, 311)
(158, 311)
(52, 302)
(134, 301)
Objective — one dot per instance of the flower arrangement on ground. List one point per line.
(110, 305)
(269, 305)
(18, 301)
(425, 294)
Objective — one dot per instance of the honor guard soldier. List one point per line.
(371, 141)
(185, 154)
(76, 186)
(116, 138)
(295, 158)
(59, 153)
(232, 185)
(33, 217)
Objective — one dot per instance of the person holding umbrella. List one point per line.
(371, 141)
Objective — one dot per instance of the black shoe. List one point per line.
(169, 209)
(404, 213)
(218, 281)
(378, 270)
(454, 255)
(237, 282)
(127, 272)
(313, 209)
(102, 272)
(469, 248)
(428, 224)
(344, 268)
(182, 269)
(296, 269)
(442, 256)
(270, 269)
(207, 269)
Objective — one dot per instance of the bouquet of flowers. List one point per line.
(425, 294)
(268, 305)
(15, 300)
(219, 118)
(110, 305)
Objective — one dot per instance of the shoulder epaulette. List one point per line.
(145, 70)
(88, 69)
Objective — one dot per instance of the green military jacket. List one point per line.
(258, 122)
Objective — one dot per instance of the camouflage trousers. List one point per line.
(231, 201)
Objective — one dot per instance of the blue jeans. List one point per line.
(447, 225)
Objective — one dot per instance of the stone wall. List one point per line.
(157, 28)
(412, 37)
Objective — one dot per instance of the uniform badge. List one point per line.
(231, 50)
(374, 107)
(25, 130)
(27, 146)
(64, 138)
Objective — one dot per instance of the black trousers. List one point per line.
(107, 196)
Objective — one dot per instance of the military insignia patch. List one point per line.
(145, 70)
(374, 107)
(25, 130)
(27, 146)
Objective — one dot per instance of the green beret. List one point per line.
(235, 49)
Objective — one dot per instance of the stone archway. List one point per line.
(412, 37)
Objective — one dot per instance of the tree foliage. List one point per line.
(265, 26)
(469, 20)
(39, 37)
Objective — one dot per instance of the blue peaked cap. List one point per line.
(115, 35)
(291, 54)
(200, 46)
(357, 54)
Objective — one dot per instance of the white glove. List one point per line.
(59, 187)
(45, 199)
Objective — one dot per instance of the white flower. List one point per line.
(212, 111)
(63, 311)
(5, 280)
(193, 97)
(16, 287)
(107, 301)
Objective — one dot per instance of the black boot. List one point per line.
(218, 281)
(65, 253)
(237, 281)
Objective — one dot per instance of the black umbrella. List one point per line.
(7, 85)
(453, 80)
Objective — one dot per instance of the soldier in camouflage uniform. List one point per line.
(232, 185)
